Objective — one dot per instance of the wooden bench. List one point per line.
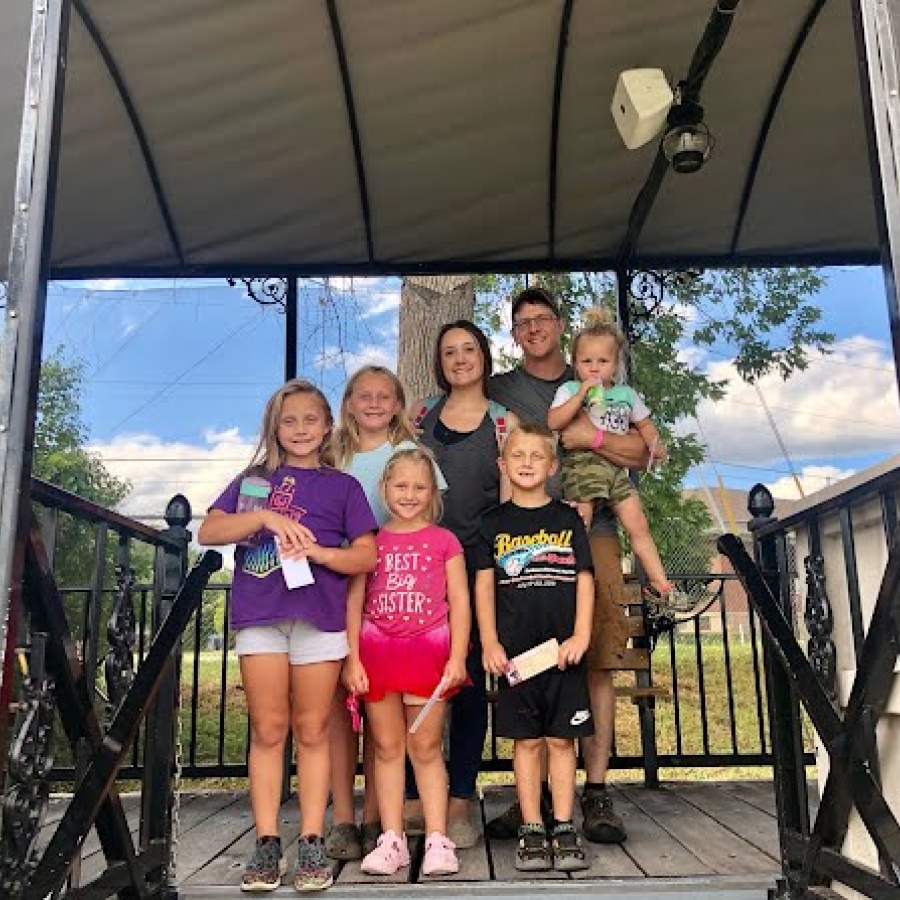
(636, 656)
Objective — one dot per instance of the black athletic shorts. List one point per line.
(555, 703)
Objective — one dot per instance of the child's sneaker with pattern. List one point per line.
(266, 866)
(314, 871)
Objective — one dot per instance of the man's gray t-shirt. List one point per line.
(530, 398)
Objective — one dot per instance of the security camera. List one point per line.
(687, 142)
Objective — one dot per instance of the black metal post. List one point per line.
(646, 705)
(20, 354)
(161, 741)
(877, 26)
(290, 328)
(784, 708)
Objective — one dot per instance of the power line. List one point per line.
(191, 368)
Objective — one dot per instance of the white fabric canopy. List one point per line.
(244, 111)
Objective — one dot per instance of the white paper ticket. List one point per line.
(532, 662)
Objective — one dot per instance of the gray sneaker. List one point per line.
(601, 824)
(266, 866)
(314, 871)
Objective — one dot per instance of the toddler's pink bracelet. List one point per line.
(598, 439)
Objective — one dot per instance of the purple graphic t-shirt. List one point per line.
(333, 506)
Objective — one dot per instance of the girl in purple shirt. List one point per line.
(291, 641)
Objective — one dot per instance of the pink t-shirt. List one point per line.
(407, 592)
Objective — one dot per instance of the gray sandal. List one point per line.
(343, 842)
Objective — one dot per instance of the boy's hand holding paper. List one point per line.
(532, 662)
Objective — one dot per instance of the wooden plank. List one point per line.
(634, 626)
(227, 867)
(201, 842)
(57, 805)
(503, 853)
(760, 794)
(646, 690)
(633, 658)
(752, 824)
(196, 808)
(718, 847)
(606, 860)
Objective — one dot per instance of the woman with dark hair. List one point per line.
(463, 430)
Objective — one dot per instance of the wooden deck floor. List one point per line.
(690, 836)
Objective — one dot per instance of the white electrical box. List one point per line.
(640, 105)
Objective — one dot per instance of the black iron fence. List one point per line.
(846, 608)
(707, 698)
(64, 708)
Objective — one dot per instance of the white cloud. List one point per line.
(107, 284)
(159, 469)
(381, 302)
(844, 404)
(811, 478)
(354, 283)
(367, 355)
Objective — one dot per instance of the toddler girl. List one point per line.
(408, 627)
(588, 478)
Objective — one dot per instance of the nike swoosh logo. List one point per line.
(580, 717)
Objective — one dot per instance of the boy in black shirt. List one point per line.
(535, 582)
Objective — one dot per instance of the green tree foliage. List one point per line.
(764, 320)
(61, 456)
(60, 443)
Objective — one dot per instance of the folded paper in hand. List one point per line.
(296, 570)
(532, 662)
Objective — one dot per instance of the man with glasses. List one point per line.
(528, 391)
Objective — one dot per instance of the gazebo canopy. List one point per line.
(210, 137)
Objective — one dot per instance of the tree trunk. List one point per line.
(426, 303)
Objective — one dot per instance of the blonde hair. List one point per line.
(532, 429)
(346, 437)
(269, 454)
(424, 457)
(598, 322)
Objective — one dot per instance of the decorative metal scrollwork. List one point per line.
(819, 625)
(264, 291)
(647, 291)
(121, 633)
(28, 770)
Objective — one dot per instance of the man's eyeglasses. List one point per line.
(541, 321)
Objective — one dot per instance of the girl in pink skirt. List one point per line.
(408, 630)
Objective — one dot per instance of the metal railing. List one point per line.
(61, 648)
(714, 714)
(838, 683)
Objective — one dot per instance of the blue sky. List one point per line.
(178, 372)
